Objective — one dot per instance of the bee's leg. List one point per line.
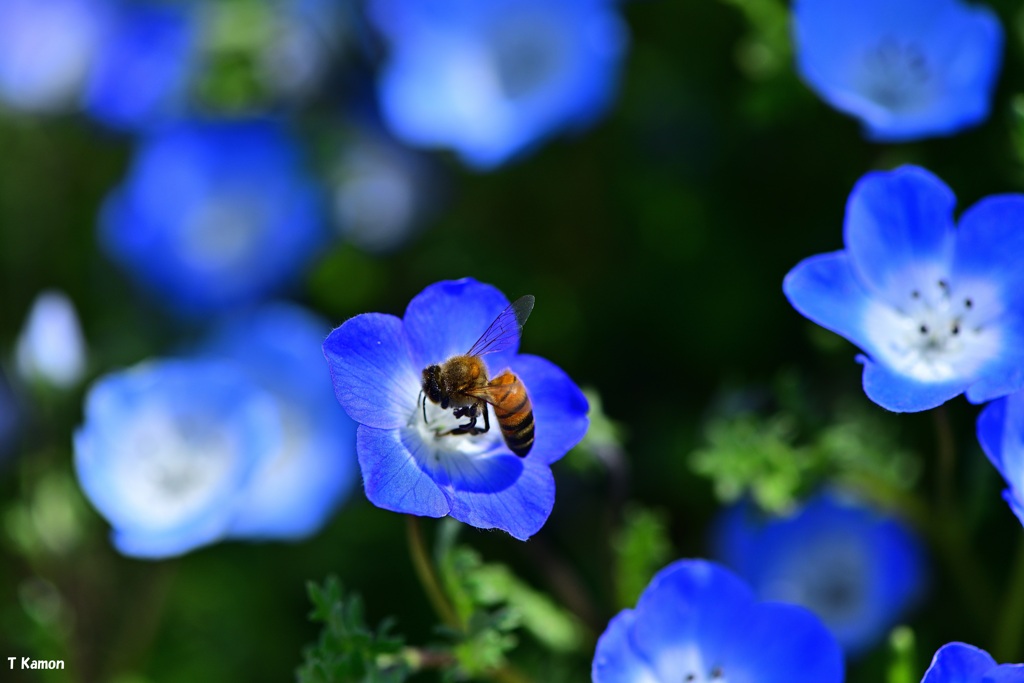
(423, 401)
(470, 411)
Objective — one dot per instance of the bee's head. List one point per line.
(432, 385)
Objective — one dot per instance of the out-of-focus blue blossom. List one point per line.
(697, 622)
(908, 69)
(382, 192)
(376, 363)
(937, 309)
(491, 79)
(292, 492)
(1001, 434)
(962, 663)
(46, 50)
(142, 70)
(167, 448)
(307, 38)
(215, 215)
(51, 347)
(857, 570)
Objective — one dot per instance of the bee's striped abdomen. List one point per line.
(514, 411)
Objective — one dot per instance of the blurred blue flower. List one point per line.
(491, 79)
(1001, 434)
(697, 622)
(382, 192)
(46, 50)
(938, 310)
(307, 36)
(141, 73)
(51, 346)
(293, 492)
(908, 69)
(215, 215)
(167, 448)
(962, 663)
(857, 570)
(377, 364)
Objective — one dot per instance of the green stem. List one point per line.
(1010, 625)
(427, 576)
(946, 452)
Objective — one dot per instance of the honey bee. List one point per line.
(461, 383)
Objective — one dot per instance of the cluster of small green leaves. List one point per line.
(766, 458)
(348, 651)
(493, 605)
(642, 547)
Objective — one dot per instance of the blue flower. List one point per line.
(698, 622)
(908, 69)
(382, 192)
(141, 73)
(167, 448)
(377, 364)
(857, 570)
(1001, 434)
(491, 79)
(293, 492)
(215, 215)
(938, 310)
(46, 49)
(962, 663)
(51, 347)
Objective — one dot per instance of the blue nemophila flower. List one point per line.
(908, 69)
(491, 79)
(1001, 434)
(167, 448)
(962, 663)
(698, 623)
(856, 569)
(937, 309)
(294, 491)
(46, 50)
(141, 73)
(51, 347)
(215, 215)
(410, 460)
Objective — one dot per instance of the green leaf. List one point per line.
(348, 651)
(642, 547)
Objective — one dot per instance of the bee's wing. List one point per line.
(506, 328)
(487, 393)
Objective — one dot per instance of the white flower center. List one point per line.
(896, 76)
(435, 432)
(527, 50)
(223, 233)
(687, 664)
(829, 580)
(936, 334)
(171, 464)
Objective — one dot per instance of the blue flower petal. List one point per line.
(615, 660)
(825, 290)
(392, 477)
(990, 428)
(520, 509)
(902, 394)
(374, 377)
(899, 231)
(1005, 673)
(447, 318)
(688, 616)
(782, 644)
(956, 662)
(559, 407)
